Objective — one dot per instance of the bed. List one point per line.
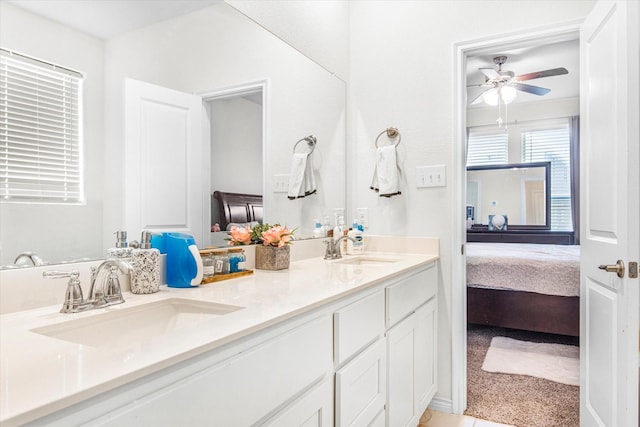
(236, 208)
(532, 287)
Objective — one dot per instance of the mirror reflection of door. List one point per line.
(534, 202)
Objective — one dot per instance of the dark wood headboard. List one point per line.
(237, 207)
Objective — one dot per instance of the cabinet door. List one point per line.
(400, 395)
(361, 387)
(314, 409)
(425, 355)
(411, 366)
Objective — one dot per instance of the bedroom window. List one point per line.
(487, 148)
(553, 145)
(40, 131)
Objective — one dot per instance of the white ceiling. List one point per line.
(531, 59)
(107, 18)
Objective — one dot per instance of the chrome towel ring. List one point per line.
(392, 133)
(310, 140)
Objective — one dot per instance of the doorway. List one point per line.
(463, 51)
(235, 134)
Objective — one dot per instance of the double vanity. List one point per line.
(342, 342)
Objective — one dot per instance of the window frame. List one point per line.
(25, 130)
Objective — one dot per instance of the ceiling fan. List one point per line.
(502, 84)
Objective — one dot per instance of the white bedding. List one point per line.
(545, 269)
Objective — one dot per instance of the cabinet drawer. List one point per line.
(361, 387)
(410, 293)
(241, 390)
(357, 325)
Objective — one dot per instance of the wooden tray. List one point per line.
(220, 277)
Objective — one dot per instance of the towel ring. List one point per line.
(392, 133)
(311, 140)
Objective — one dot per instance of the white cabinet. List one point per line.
(411, 367)
(411, 347)
(357, 325)
(314, 409)
(361, 387)
(367, 359)
(358, 341)
(251, 383)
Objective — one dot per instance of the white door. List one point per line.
(163, 160)
(609, 215)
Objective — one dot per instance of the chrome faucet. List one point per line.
(108, 292)
(31, 257)
(332, 250)
(101, 294)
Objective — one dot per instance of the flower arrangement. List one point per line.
(265, 234)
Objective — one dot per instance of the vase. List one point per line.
(272, 257)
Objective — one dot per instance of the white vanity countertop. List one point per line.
(40, 375)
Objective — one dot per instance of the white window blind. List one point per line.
(487, 149)
(553, 145)
(40, 131)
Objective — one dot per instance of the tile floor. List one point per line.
(441, 419)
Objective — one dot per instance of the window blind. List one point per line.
(553, 145)
(487, 149)
(40, 131)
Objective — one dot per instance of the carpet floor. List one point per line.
(519, 400)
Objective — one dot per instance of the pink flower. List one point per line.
(276, 236)
(240, 236)
(271, 236)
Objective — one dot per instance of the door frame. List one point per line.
(547, 34)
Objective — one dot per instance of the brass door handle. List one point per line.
(618, 268)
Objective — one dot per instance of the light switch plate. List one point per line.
(280, 183)
(431, 176)
(362, 215)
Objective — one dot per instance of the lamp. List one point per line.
(505, 93)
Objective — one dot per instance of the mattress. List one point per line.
(544, 269)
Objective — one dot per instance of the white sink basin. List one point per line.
(126, 326)
(369, 261)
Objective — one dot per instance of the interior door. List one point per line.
(609, 215)
(163, 160)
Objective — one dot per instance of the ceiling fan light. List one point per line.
(491, 96)
(508, 94)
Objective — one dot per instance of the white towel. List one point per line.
(385, 176)
(301, 181)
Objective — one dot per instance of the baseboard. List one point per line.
(441, 405)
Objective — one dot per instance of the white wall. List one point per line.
(58, 232)
(236, 144)
(318, 29)
(401, 75)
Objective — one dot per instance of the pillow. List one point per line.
(244, 224)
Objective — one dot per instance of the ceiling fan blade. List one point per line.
(490, 73)
(536, 90)
(478, 99)
(540, 74)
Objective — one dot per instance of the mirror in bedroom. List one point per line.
(521, 193)
(214, 53)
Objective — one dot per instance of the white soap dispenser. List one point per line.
(146, 263)
(121, 249)
(355, 247)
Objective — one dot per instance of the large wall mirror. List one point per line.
(518, 192)
(208, 51)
